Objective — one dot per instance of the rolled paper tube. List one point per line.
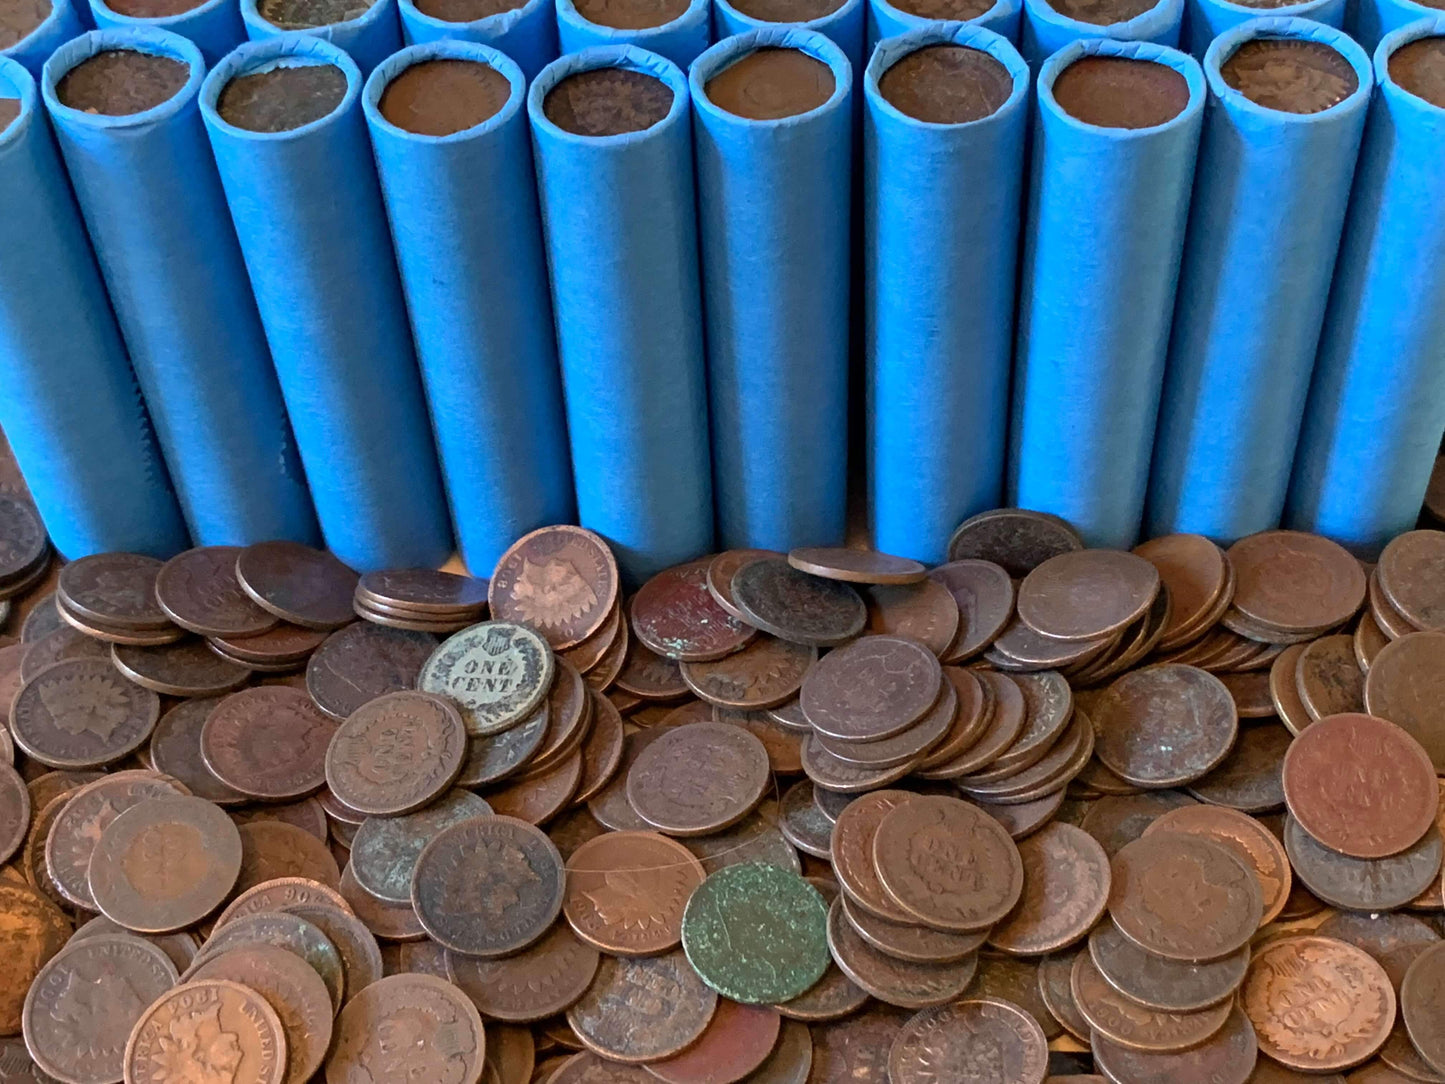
(619, 223)
(773, 207)
(842, 21)
(1108, 205)
(312, 228)
(527, 33)
(30, 43)
(939, 293)
(71, 409)
(676, 29)
(468, 239)
(1369, 21)
(1376, 407)
(888, 20)
(1269, 203)
(1205, 20)
(214, 25)
(147, 187)
(368, 38)
(1049, 26)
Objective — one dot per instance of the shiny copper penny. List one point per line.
(1363, 884)
(1164, 725)
(1360, 785)
(1393, 940)
(1295, 582)
(188, 1029)
(1411, 570)
(676, 616)
(1250, 841)
(735, 1042)
(924, 611)
(896, 982)
(1173, 986)
(775, 597)
(299, 584)
(81, 714)
(1183, 897)
(1318, 1004)
(561, 581)
(648, 675)
(677, 1008)
(1250, 778)
(1405, 685)
(698, 778)
(1422, 1004)
(496, 672)
(852, 853)
(396, 753)
(1194, 571)
(541, 981)
(984, 595)
(1328, 677)
(626, 892)
(1065, 891)
(987, 1038)
(873, 688)
(362, 661)
(385, 850)
(1228, 1057)
(275, 850)
(723, 567)
(1086, 594)
(1127, 1024)
(765, 673)
(408, 1026)
(268, 743)
(1016, 538)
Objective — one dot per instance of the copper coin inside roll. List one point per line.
(769, 84)
(283, 98)
(121, 82)
(607, 102)
(1121, 92)
(631, 14)
(788, 11)
(440, 97)
(1419, 67)
(1290, 75)
(298, 14)
(1102, 12)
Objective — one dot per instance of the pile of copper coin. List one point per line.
(1040, 813)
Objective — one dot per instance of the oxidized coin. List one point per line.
(15, 808)
(1394, 940)
(984, 595)
(175, 750)
(282, 894)
(698, 778)
(308, 814)
(165, 864)
(1363, 884)
(1183, 897)
(916, 944)
(735, 1042)
(1066, 888)
(496, 672)
(1121, 1021)
(184, 668)
(948, 864)
(833, 996)
(34, 930)
(642, 1009)
(284, 648)
(1017, 539)
(198, 590)
(1295, 582)
(763, 674)
(802, 823)
(896, 982)
(756, 934)
(540, 981)
(274, 850)
(873, 688)
(210, 1030)
(723, 567)
(587, 1068)
(299, 584)
(836, 774)
(1406, 684)
(856, 1049)
(1118, 820)
(626, 892)
(647, 675)
(776, 598)
(488, 886)
(63, 645)
(117, 590)
(389, 921)
(424, 591)
(1005, 714)
(281, 930)
(385, 850)
(82, 714)
(1086, 594)
(562, 581)
(755, 838)
(1250, 690)
(1422, 1004)
(601, 750)
(1269, 1072)
(408, 1027)
(905, 747)
(1164, 725)
(784, 746)
(1411, 571)
(361, 962)
(1361, 786)
(180, 948)
(1318, 1004)
(269, 743)
(362, 661)
(856, 566)
(1227, 1057)
(1250, 778)
(493, 757)
(852, 852)
(1055, 973)
(396, 753)
(1250, 841)
(1328, 677)
(1166, 985)
(791, 1059)
(984, 1039)
(1048, 703)
(1194, 570)
(676, 616)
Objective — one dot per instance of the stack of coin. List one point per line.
(421, 600)
(24, 550)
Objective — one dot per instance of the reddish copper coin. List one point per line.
(896, 982)
(1295, 582)
(362, 661)
(1411, 571)
(852, 853)
(283, 648)
(676, 616)
(562, 581)
(1086, 594)
(404, 1026)
(176, 1037)
(1369, 640)
(784, 746)
(723, 567)
(1065, 891)
(175, 749)
(924, 611)
(1406, 685)
(856, 566)
(1328, 677)
(735, 1042)
(698, 778)
(268, 743)
(1196, 574)
(37, 931)
(855, 1051)
(599, 650)
(912, 943)
(198, 590)
(275, 850)
(1228, 1056)
(1165, 725)
(1249, 840)
(601, 751)
(765, 673)
(396, 753)
(1117, 820)
(626, 892)
(984, 595)
(539, 982)
(1003, 726)
(1114, 1017)
(537, 798)
(648, 675)
(82, 714)
(873, 688)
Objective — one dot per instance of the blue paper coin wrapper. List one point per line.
(71, 409)
(1205, 20)
(1046, 29)
(527, 34)
(885, 20)
(63, 23)
(215, 25)
(680, 40)
(368, 39)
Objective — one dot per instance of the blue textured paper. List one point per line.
(1106, 219)
(774, 202)
(886, 21)
(1377, 403)
(1205, 20)
(846, 27)
(1269, 202)
(147, 187)
(215, 26)
(527, 34)
(938, 300)
(368, 39)
(464, 221)
(1368, 21)
(680, 40)
(312, 227)
(33, 50)
(1045, 30)
(619, 222)
(71, 409)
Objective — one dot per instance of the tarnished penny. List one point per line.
(496, 673)
(856, 566)
(1121, 1021)
(984, 595)
(698, 778)
(494, 757)
(1363, 884)
(871, 689)
(833, 996)
(852, 853)
(626, 892)
(198, 590)
(755, 838)
(362, 661)
(1422, 1005)
(201, 1029)
(784, 747)
(845, 777)
(1406, 684)
(1393, 940)
(587, 1068)
(603, 654)
(896, 982)
(1250, 778)
(642, 1009)
(1328, 677)
(184, 668)
(284, 648)
(308, 813)
(488, 886)
(735, 1042)
(601, 751)
(1007, 716)
(856, 1049)
(1164, 725)
(1117, 820)
(385, 850)
(113, 589)
(34, 931)
(647, 675)
(1194, 570)
(1295, 582)
(910, 942)
(1017, 539)
(1250, 841)
(1154, 982)
(1086, 594)
(723, 567)
(905, 747)
(1183, 897)
(388, 921)
(1369, 640)
(15, 809)
(924, 611)
(280, 930)
(947, 864)
(542, 980)
(396, 753)
(82, 714)
(305, 586)
(1360, 785)
(62, 645)
(561, 581)
(175, 749)
(1066, 888)
(408, 1027)
(765, 673)
(676, 616)
(269, 743)
(1284, 692)
(361, 962)
(1228, 1057)
(1318, 1004)
(1410, 570)
(275, 850)
(180, 948)
(1048, 703)
(775, 597)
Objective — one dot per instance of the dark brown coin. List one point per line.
(626, 892)
(284, 648)
(1283, 691)
(562, 581)
(496, 672)
(305, 586)
(62, 645)
(1227, 1057)
(904, 748)
(873, 688)
(946, 84)
(396, 753)
(857, 1049)
(1328, 678)
(1116, 91)
(1406, 684)
(1250, 778)
(974, 706)
(857, 566)
(1164, 725)
(1195, 572)
(385, 850)
(1183, 897)
(784, 746)
(1055, 973)
(388, 921)
(642, 1009)
(1268, 1072)
(833, 996)
(511, 1054)
(117, 590)
(1391, 621)
(601, 751)
(180, 948)
(723, 567)
(826, 770)
(1117, 820)
(676, 616)
(283, 894)
(275, 850)
(1086, 594)
(268, 743)
(1295, 582)
(408, 1026)
(735, 1042)
(698, 778)
(183, 1033)
(15, 809)
(184, 668)
(538, 798)
(1048, 703)
(1024, 819)
(984, 595)
(1361, 786)
(765, 673)
(82, 714)
(1154, 982)
(776, 598)
(852, 853)
(534, 984)
(362, 661)
(924, 611)
(425, 590)
(1393, 940)
(1014, 538)
(286, 931)
(493, 757)
(1004, 725)
(24, 540)
(42, 620)
(599, 651)
(1363, 884)
(117, 634)
(610, 805)
(1115, 1017)
(175, 749)
(1400, 1058)
(1066, 888)
(307, 813)
(1292, 76)
(361, 962)
(1249, 840)
(897, 982)
(647, 675)
(1409, 571)
(1422, 1004)
(772, 83)
(198, 590)
(755, 838)
(1020, 648)
(586, 1068)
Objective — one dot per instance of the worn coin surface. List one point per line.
(1122, 1021)
(924, 611)
(1250, 778)
(1017, 539)
(676, 616)
(385, 850)
(735, 1042)
(775, 597)
(299, 584)
(561, 581)
(209, 1030)
(640, 1009)
(984, 1039)
(1393, 939)
(896, 982)
(914, 943)
(905, 747)
(1422, 1004)
(175, 750)
(273, 849)
(361, 962)
(765, 673)
(851, 852)
(82, 714)
(183, 668)
(1158, 983)
(1066, 888)
(724, 566)
(984, 595)
(408, 1027)
(1362, 884)
(388, 921)
(871, 689)
(280, 930)
(362, 661)
(1328, 677)
(1410, 571)
(282, 894)
(1194, 570)
(34, 930)
(396, 753)
(541, 981)
(1228, 1057)
(113, 589)
(496, 672)
(626, 892)
(1295, 582)
(1086, 594)
(268, 743)
(856, 566)
(833, 996)
(1164, 725)
(1250, 841)
(698, 778)
(1406, 684)
(1055, 973)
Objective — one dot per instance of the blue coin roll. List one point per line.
(1269, 204)
(368, 39)
(774, 200)
(1205, 20)
(147, 187)
(1045, 29)
(1107, 212)
(71, 409)
(309, 215)
(845, 26)
(215, 26)
(938, 300)
(527, 34)
(1376, 407)
(468, 239)
(1369, 21)
(680, 40)
(619, 222)
(885, 20)
(59, 26)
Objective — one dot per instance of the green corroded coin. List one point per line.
(756, 933)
